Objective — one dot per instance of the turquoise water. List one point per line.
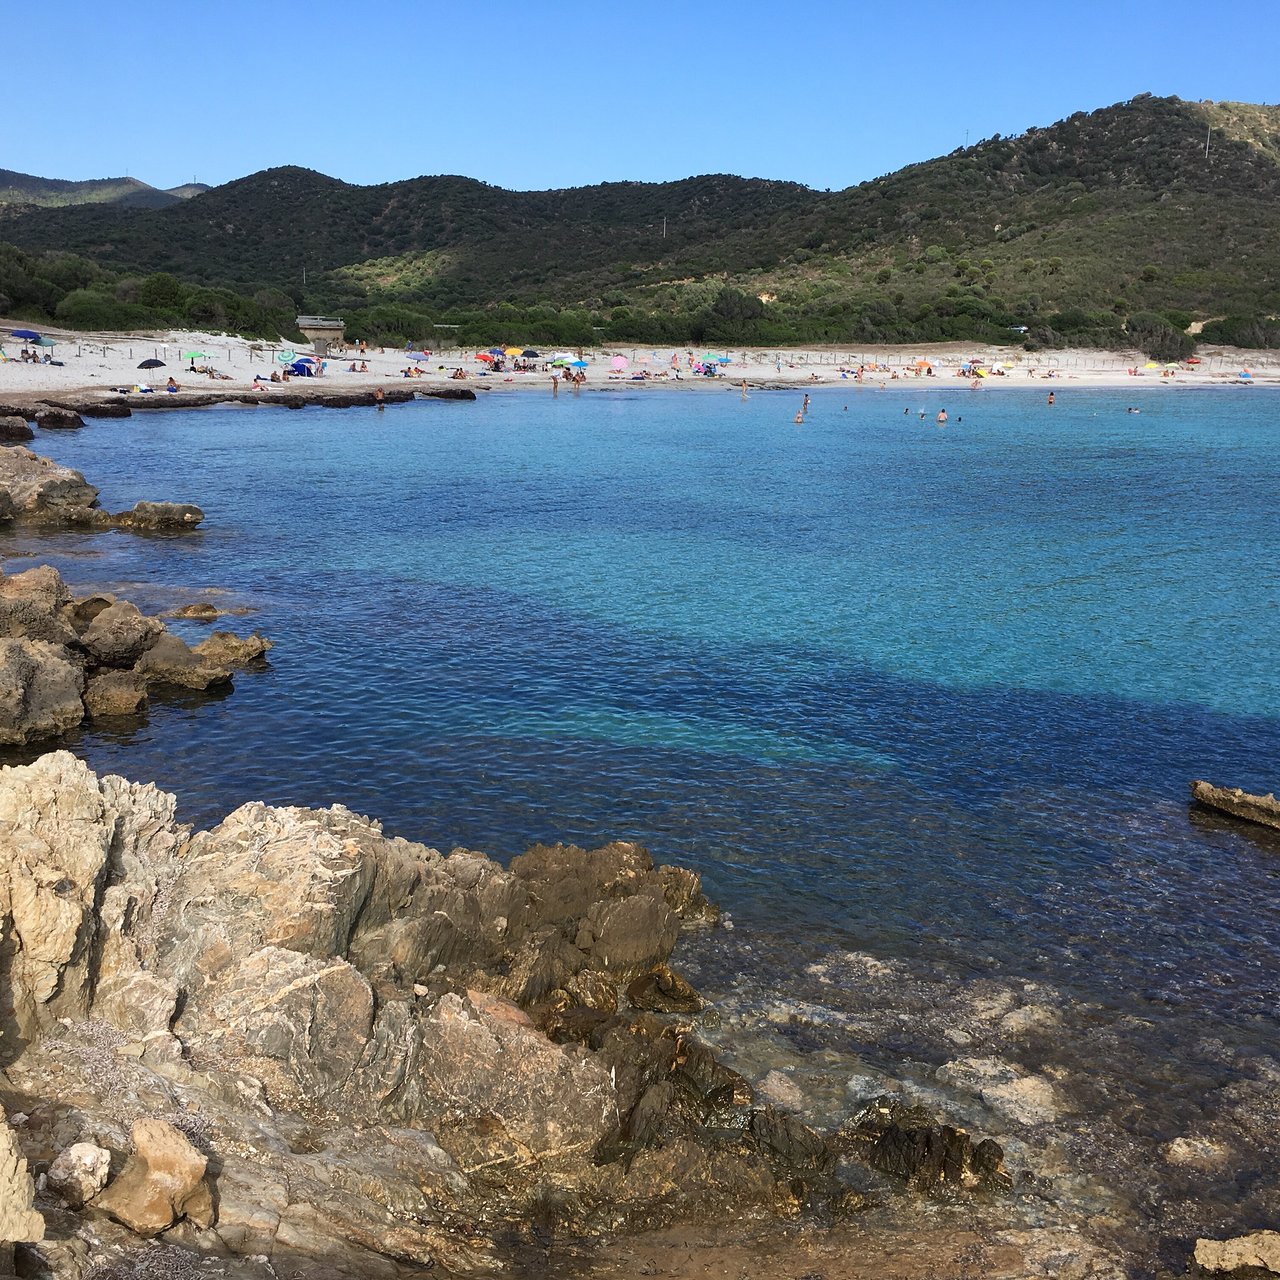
(934, 694)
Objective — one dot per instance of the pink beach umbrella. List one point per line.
(618, 362)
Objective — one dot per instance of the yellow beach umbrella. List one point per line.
(1151, 364)
(514, 351)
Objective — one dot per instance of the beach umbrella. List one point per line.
(30, 334)
(496, 351)
(577, 364)
(529, 354)
(305, 360)
(44, 342)
(723, 360)
(1192, 360)
(563, 355)
(618, 362)
(285, 357)
(1151, 364)
(152, 364)
(485, 356)
(513, 351)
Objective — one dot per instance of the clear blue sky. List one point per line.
(531, 96)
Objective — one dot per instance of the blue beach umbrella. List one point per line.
(578, 364)
(30, 334)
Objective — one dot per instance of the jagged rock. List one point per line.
(115, 693)
(120, 634)
(19, 1221)
(14, 429)
(50, 419)
(1260, 1249)
(226, 649)
(80, 613)
(797, 1148)
(79, 1173)
(41, 490)
(40, 691)
(159, 516)
(26, 618)
(61, 828)
(661, 990)
(906, 1143)
(8, 512)
(170, 661)
(162, 1181)
(43, 584)
(328, 1009)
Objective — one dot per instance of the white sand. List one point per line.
(103, 361)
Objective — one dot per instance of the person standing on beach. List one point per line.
(555, 384)
(379, 399)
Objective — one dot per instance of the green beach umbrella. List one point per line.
(195, 355)
(286, 357)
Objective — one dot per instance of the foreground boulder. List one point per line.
(383, 1047)
(162, 1182)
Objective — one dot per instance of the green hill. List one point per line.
(1111, 227)
(28, 191)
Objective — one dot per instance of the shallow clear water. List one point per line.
(934, 694)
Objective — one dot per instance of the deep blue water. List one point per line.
(888, 686)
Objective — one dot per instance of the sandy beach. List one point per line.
(108, 362)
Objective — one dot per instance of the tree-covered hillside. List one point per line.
(1115, 228)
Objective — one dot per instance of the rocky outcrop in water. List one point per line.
(63, 659)
(1264, 810)
(37, 491)
(373, 1054)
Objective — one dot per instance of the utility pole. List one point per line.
(664, 226)
(1207, 136)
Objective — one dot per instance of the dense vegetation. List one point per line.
(1112, 229)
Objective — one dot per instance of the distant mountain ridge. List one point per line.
(1155, 208)
(27, 189)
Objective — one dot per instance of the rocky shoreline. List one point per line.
(292, 1037)
(67, 412)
